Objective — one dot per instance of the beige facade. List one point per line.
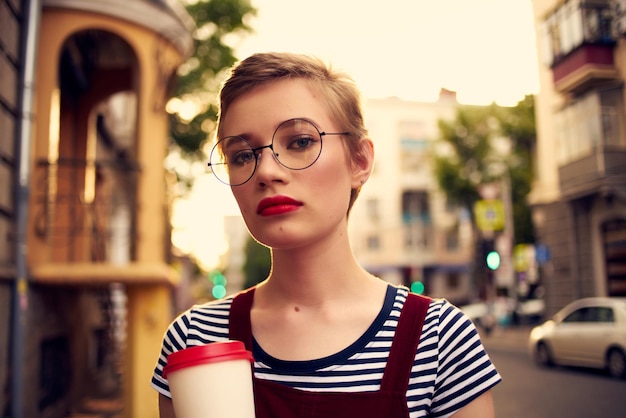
(97, 238)
(401, 227)
(579, 193)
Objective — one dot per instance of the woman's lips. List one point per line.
(277, 205)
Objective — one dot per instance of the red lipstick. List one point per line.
(277, 205)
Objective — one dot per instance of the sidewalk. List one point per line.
(513, 337)
(106, 407)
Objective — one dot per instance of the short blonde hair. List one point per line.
(338, 90)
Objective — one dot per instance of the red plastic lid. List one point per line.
(205, 354)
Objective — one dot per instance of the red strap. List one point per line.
(405, 342)
(239, 325)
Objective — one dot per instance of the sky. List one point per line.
(482, 49)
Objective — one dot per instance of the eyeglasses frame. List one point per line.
(257, 154)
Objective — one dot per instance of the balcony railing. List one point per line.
(599, 172)
(85, 211)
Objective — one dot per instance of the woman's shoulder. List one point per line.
(436, 305)
(203, 322)
(442, 316)
(214, 307)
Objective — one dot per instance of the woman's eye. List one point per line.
(241, 157)
(301, 142)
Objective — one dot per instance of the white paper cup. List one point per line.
(211, 381)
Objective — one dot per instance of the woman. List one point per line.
(328, 338)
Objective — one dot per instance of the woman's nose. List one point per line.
(267, 165)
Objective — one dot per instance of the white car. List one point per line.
(589, 332)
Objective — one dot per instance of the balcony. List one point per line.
(587, 65)
(85, 211)
(579, 40)
(601, 172)
(84, 229)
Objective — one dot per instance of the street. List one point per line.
(530, 391)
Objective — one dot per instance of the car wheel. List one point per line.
(543, 356)
(616, 363)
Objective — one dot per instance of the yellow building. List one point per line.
(97, 237)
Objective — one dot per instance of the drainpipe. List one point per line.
(28, 51)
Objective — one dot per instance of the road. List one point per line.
(530, 391)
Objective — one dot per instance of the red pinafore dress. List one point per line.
(274, 400)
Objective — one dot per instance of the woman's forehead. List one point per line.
(268, 105)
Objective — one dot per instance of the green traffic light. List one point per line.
(218, 291)
(219, 280)
(417, 288)
(493, 260)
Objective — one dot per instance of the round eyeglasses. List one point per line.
(296, 145)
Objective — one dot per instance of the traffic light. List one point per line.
(490, 255)
(417, 287)
(493, 260)
(219, 284)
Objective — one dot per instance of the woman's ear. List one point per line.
(362, 163)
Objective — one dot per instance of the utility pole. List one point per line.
(509, 235)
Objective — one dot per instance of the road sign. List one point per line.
(520, 258)
(542, 254)
(489, 214)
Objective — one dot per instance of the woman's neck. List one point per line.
(316, 274)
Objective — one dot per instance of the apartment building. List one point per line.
(579, 194)
(402, 228)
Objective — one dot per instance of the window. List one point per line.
(372, 209)
(414, 146)
(614, 240)
(591, 314)
(416, 217)
(373, 242)
(611, 109)
(578, 315)
(574, 23)
(597, 23)
(453, 280)
(415, 207)
(604, 315)
(590, 121)
(452, 240)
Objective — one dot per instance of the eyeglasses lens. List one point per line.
(296, 144)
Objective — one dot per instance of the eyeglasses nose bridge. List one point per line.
(258, 151)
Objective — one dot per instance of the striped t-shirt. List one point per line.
(451, 367)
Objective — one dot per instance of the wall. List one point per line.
(10, 18)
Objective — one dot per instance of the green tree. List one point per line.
(258, 263)
(465, 157)
(486, 145)
(480, 146)
(518, 123)
(199, 78)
